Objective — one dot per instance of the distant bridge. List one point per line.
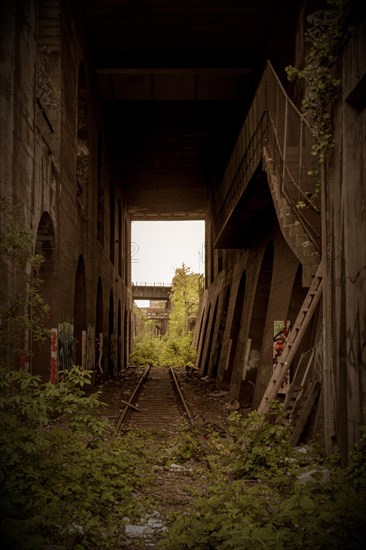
(155, 313)
(151, 292)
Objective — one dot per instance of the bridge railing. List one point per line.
(273, 121)
(150, 285)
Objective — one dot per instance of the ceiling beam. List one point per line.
(161, 71)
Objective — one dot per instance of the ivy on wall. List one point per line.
(325, 37)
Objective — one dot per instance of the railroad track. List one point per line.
(156, 403)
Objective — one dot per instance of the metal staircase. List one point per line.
(275, 134)
(294, 339)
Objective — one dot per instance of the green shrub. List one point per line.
(256, 501)
(60, 477)
(147, 351)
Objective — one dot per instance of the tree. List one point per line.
(175, 348)
(185, 300)
(22, 313)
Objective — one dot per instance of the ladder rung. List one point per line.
(311, 298)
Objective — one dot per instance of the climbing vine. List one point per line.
(325, 36)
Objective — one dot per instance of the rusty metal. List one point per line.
(160, 402)
(181, 396)
(131, 401)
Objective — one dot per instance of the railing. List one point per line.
(152, 285)
(273, 121)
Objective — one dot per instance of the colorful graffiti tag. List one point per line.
(280, 334)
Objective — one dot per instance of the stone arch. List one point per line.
(203, 345)
(79, 310)
(111, 344)
(210, 338)
(100, 190)
(119, 337)
(99, 332)
(235, 328)
(298, 294)
(257, 323)
(46, 246)
(112, 220)
(119, 243)
(220, 333)
(125, 337)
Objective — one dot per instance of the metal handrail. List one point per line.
(286, 133)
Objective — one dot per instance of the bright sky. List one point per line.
(158, 248)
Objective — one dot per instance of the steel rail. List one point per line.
(181, 396)
(130, 402)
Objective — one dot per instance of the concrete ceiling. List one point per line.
(177, 77)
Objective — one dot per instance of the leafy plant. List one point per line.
(59, 474)
(24, 311)
(256, 500)
(176, 347)
(325, 36)
(61, 480)
(259, 445)
(147, 351)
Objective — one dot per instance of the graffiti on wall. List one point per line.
(280, 334)
(65, 345)
(90, 347)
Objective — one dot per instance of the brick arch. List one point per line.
(98, 329)
(46, 246)
(119, 337)
(257, 323)
(203, 343)
(235, 328)
(110, 343)
(220, 333)
(210, 338)
(79, 309)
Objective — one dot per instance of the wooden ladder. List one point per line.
(294, 339)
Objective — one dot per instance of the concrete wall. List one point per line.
(254, 288)
(344, 226)
(275, 286)
(55, 164)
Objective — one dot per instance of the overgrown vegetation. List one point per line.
(65, 484)
(61, 480)
(23, 313)
(257, 496)
(175, 348)
(324, 37)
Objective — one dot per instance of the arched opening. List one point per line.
(127, 253)
(119, 244)
(99, 333)
(235, 329)
(110, 343)
(259, 314)
(297, 298)
(204, 335)
(119, 337)
(100, 190)
(125, 338)
(79, 311)
(220, 333)
(45, 245)
(112, 224)
(213, 323)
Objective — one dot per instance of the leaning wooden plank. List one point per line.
(299, 379)
(293, 341)
(130, 405)
(305, 412)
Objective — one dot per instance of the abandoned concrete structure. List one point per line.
(113, 111)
